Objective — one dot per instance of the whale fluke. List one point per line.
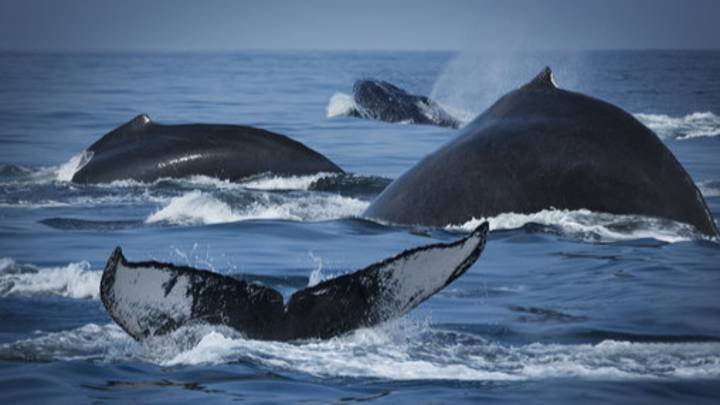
(153, 298)
(544, 80)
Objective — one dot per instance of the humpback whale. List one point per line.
(380, 100)
(152, 298)
(540, 147)
(146, 151)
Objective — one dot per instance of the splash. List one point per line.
(342, 104)
(66, 171)
(316, 276)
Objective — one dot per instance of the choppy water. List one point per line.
(562, 306)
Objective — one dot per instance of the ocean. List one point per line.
(562, 307)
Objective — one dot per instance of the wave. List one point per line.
(198, 207)
(591, 226)
(695, 125)
(75, 280)
(399, 350)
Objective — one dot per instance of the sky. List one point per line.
(224, 25)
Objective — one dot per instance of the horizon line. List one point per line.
(329, 50)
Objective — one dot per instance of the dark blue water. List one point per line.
(563, 307)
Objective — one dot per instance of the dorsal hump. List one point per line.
(544, 80)
(128, 130)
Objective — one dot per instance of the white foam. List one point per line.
(401, 350)
(67, 170)
(261, 182)
(341, 104)
(76, 280)
(592, 226)
(90, 341)
(411, 355)
(695, 125)
(285, 183)
(197, 207)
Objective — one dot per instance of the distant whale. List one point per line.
(151, 298)
(540, 147)
(146, 151)
(379, 100)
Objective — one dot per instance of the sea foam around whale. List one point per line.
(197, 207)
(399, 350)
(591, 226)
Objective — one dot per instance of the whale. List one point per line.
(143, 150)
(152, 298)
(541, 147)
(380, 100)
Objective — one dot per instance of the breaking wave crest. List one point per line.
(75, 280)
(591, 226)
(198, 207)
(695, 125)
(400, 350)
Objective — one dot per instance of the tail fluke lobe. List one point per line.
(382, 291)
(153, 298)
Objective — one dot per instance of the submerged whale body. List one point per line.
(151, 298)
(541, 147)
(146, 151)
(383, 101)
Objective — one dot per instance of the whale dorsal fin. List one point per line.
(136, 124)
(544, 80)
(125, 131)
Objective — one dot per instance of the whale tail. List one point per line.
(152, 298)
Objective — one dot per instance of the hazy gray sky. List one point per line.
(115, 25)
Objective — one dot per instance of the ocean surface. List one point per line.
(562, 307)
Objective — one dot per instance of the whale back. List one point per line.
(541, 147)
(146, 151)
